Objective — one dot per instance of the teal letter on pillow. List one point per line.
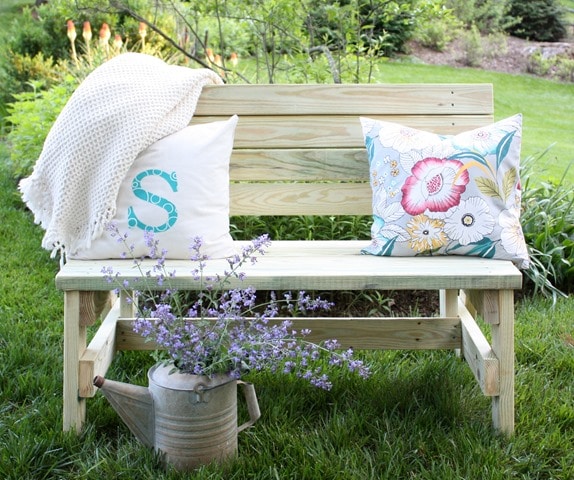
(141, 193)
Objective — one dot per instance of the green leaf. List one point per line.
(509, 182)
(503, 147)
(488, 187)
(483, 248)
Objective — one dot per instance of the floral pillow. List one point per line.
(446, 195)
(178, 188)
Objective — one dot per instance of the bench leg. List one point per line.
(448, 301)
(502, 324)
(81, 309)
(74, 345)
(496, 309)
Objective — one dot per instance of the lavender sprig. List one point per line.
(226, 330)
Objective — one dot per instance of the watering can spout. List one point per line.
(134, 404)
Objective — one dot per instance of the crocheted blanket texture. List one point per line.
(120, 109)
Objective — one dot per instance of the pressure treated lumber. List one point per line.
(299, 150)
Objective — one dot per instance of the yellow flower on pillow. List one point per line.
(427, 234)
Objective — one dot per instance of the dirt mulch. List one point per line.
(511, 58)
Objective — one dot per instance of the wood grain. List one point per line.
(373, 99)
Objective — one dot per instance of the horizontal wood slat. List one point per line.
(300, 199)
(410, 99)
(344, 131)
(300, 164)
(358, 333)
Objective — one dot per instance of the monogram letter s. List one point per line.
(141, 193)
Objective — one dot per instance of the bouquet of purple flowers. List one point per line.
(223, 330)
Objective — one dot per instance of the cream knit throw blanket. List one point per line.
(120, 109)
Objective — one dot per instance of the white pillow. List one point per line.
(179, 189)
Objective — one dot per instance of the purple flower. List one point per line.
(222, 330)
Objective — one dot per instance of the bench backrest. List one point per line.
(299, 148)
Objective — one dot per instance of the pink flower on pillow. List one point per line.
(435, 184)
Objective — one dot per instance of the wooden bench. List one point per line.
(299, 151)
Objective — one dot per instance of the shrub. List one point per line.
(437, 25)
(488, 16)
(36, 45)
(473, 51)
(559, 66)
(496, 44)
(32, 116)
(548, 225)
(540, 20)
(349, 24)
(565, 69)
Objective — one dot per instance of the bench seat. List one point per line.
(320, 265)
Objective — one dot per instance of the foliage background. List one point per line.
(422, 417)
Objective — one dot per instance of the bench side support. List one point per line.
(503, 346)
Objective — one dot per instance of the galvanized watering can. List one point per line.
(191, 420)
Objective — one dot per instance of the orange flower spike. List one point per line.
(219, 63)
(143, 33)
(71, 31)
(209, 55)
(72, 37)
(87, 32)
(87, 35)
(105, 34)
(118, 42)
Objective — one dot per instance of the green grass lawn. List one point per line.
(546, 106)
(421, 416)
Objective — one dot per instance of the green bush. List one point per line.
(560, 67)
(540, 20)
(488, 16)
(348, 24)
(37, 45)
(437, 25)
(32, 116)
(472, 48)
(548, 225)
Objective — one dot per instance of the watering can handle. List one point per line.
(252, 404)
